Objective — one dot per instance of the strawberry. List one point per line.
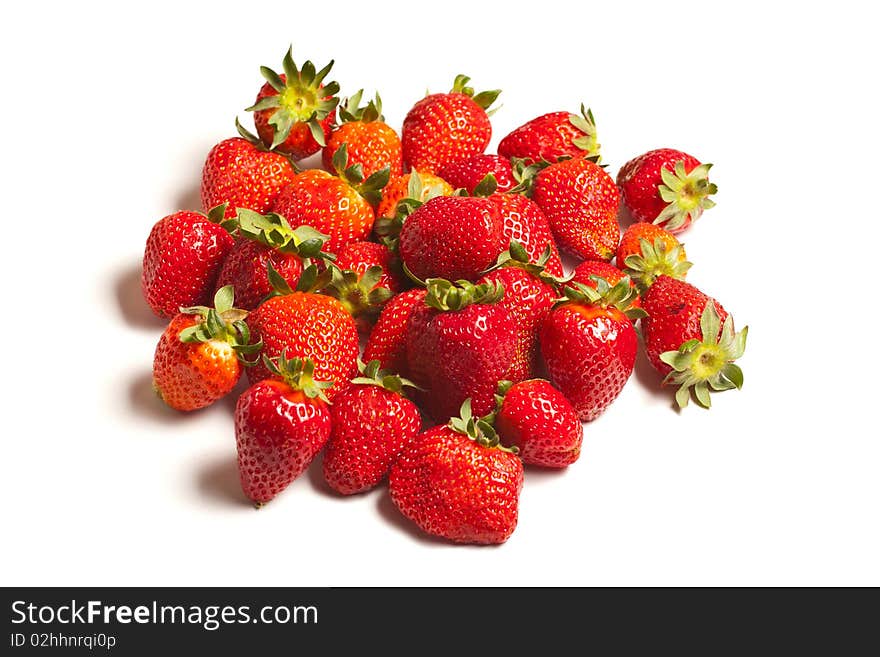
(280, 426)
(523, 222)
(371, 142)
(666, 187)
(243, 174)
(589, 345)
(467, 174)
(360, 256)
(460, 343)
(452, 237)
(588, 271)
(551, 137)
(338, 206)
(647, 251)
(443, 129)
(690, 338)
(199, 357)
(265, 239)
(372, 423)
(294, 111)
(418, 185)
(458, 482)
(306, 325)
(580, 200)
(387, 341)
(529, 294)
(538, 420)
(182, 258)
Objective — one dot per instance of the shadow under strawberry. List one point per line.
(219, 482)
(130, 300)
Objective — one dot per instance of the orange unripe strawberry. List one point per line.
(647, 251)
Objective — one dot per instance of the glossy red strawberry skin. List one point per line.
(311, 326)
(443, 129)
(452, 237)
(580, 201)
(527, 300)
(609, 272)
(547, 137)
(300, 143)
(360, 256)
(455, 488)
(372, 144)
(192, 375)
(536, 418)
(674, 310)
(523, 221)
(246, 269)
(182, 258)
(460, 354)
(278, 431)
(240, 174)
(371, 426)
(590, 353)
(387, 341)
(328, 204)
(639, 181)
(467, 174)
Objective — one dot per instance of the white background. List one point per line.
(108, 113)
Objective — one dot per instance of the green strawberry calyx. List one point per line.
(312, 279)
(516, 256)
(273, 230)
(299, 374)
(351, 111)
(360, 294)
(707, 365)
(372, 375)
(223, 322)
(446, 296)
(302, 98)
(371, 188)
(480, 430)
(656, 259)
(621, 295)
(686, 195)
(484, 98)
(417, 194)
(587, 125)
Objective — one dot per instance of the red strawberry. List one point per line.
(456, 481)
(308, 326)
(523, 222)
(538, 420)
(529, 294)
(460, 343)
(338, 206)
(280, 426)
(263, 240)
(372, 423)
(552, 136)
(580, 200)
(588, 271)
(647, 251)
(371, 142)
(294, 111)
(467, 174)
(199, 357)
(666, 187)
(183, 256)
(360, 256)
(589, 345)
(243, 174)
(452, 237)
(442, 129)
(387, 342)
(690, 338)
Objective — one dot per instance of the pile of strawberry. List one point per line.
(445, 261)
